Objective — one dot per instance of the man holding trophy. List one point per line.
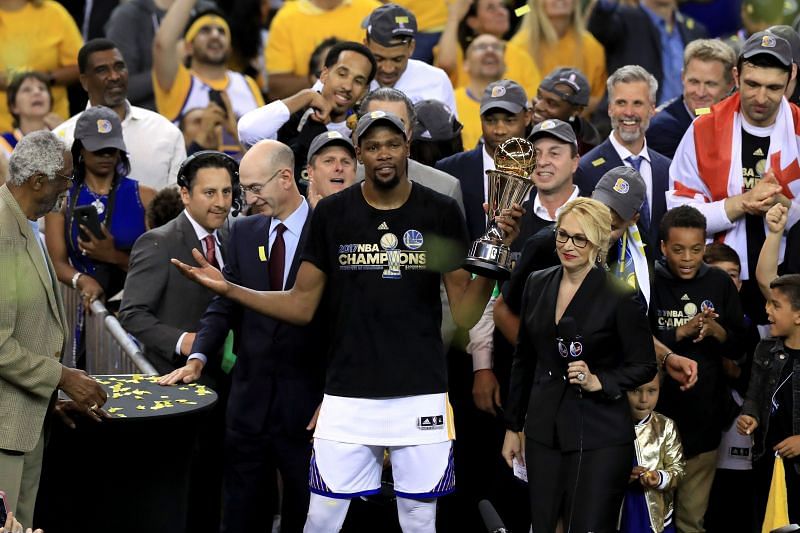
(380, 248)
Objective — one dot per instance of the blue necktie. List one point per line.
(644, 211)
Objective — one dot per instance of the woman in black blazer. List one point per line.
(583, 342)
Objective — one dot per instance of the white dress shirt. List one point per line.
(265, 121)
(541, 211)
(646, 170)
(291, 237)
(155, 146)
(421, 81)
(202, 233)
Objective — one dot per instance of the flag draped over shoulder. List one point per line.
(707, 167)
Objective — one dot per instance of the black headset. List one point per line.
(197, 161)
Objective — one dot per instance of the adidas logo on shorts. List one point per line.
(430, 422)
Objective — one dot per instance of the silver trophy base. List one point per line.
(489, 260)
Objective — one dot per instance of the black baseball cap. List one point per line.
(506, 95)
(329, 138)
(374, 117)
(765, 42)
(435, 121)
(621, 189)
(572, 78)
(791, 37)
(99, 127)
(390, 23)
(553, 127)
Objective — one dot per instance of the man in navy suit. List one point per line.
(278, 377)
(707, 76)
(631, 105)
(505, 113)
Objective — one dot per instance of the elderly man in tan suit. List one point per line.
(33, 326)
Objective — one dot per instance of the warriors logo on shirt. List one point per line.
(387, 255)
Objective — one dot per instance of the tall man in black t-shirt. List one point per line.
(379, 250)
(740, 159)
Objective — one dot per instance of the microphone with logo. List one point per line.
(569, 342)
(490, 518)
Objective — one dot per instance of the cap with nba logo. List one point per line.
(765, 42)
(568, 77)
(506, 95)
(374, 117)
(99, 127)
(621, 189)
(329, 138)
(390, 23)
(554, 128)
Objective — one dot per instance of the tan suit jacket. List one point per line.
(33, 329)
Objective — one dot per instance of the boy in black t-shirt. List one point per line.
(694, 311)
(379, 250)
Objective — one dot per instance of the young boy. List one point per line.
(770, 408)
(659, 465)
(733, 480)
(695, 312)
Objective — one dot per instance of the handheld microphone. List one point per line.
(490, 518)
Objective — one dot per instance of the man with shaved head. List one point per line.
(278, 377)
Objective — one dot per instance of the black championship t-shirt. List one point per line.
(754, 162)
(383, 305)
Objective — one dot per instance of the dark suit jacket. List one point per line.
(630, 37)
(467, 167)
(159, 304)
(616, 345)
(278, 377)
(603, 158)
(667, 128)
(298, 137)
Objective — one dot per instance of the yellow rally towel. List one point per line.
(777, 514)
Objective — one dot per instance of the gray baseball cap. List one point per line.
(99, 127)
(553, 127)
(765, 42)
(506, 95)
(329, 138)
(572, 78)
(621, 189)
(435, 121)
(390, 23)
(375, 117)
(791, 37)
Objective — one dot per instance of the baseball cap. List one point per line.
(504, 94)
(435, 121)
(374, 117)
(791, 37)
(328, 138)
(765, 42)
(554, 128)
(389, 23)
(621, 189)
(572, 78)
(99, 127)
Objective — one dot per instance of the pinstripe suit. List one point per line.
(32, 337)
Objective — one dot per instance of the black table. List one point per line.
(130, 472)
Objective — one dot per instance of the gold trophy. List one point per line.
(509, 184)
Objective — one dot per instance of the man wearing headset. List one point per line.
(162, 309)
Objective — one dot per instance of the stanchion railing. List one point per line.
(109, 348)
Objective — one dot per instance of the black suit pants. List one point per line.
(250, 485)
(585, 489)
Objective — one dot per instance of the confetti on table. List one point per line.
(141, 407)
(113, 410)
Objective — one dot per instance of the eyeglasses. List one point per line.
(483, 47)
(255, 189)
(68, 179)
(580, 241)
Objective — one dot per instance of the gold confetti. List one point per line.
(524, 10)
(141, 407)
(112, 410)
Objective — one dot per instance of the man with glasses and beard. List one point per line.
(631, 105)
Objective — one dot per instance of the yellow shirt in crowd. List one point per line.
(520, 68)
(300, 26)
(431, 14)
(469, 114)
(591, 60)
(40, 38)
